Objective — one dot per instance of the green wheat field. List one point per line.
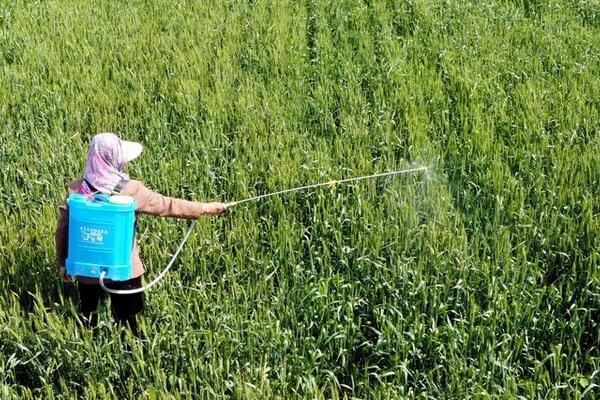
(479, 279)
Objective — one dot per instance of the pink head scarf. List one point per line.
(105, 163)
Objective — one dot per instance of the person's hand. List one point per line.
(214, 208)
(62, 272)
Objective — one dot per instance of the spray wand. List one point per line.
(252, 199)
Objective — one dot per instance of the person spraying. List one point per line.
(104, 175)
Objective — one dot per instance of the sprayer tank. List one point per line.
(101, 234)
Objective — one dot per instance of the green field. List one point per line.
(480, 279)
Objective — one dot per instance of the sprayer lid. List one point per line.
(120, 199)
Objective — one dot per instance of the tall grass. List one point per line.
(480, 280)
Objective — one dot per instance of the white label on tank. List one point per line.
(92, 235)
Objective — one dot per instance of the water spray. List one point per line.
(331, 183)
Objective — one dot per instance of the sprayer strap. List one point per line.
(92, 188)
(119, 188)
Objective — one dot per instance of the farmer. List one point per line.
(107, 157)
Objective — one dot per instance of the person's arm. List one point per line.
(61, 240)
(150, 202)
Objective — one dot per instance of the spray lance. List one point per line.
(105, 273)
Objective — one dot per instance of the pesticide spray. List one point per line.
(103, 273)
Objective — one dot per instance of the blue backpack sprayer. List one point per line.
(101, 234)
(102, 230)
